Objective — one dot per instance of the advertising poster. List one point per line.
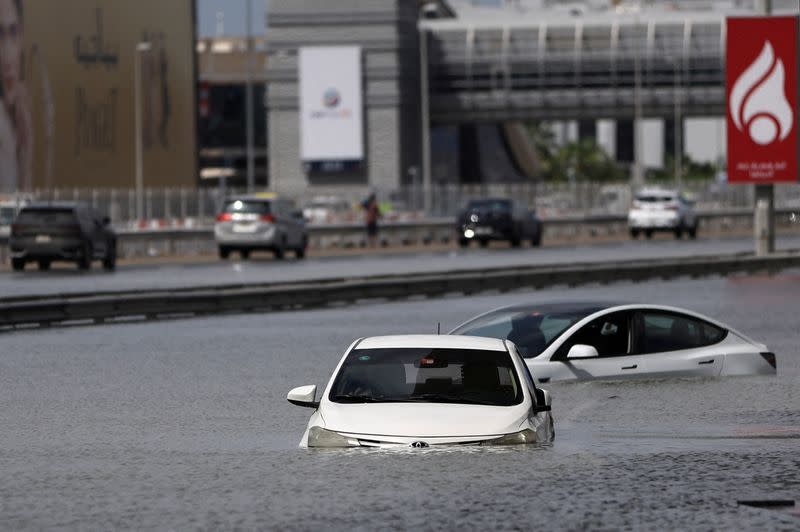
(761, 91)
(331, 117)
(67, 89)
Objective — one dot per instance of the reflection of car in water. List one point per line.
(424, 390)
(661, 210)
(62, 231)
(498, 219)
(260, 222)
(577, 341)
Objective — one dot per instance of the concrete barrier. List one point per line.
(156, 304)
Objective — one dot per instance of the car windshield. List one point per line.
(532, 330)
(427, 375)
(489, 205)
(247, 207)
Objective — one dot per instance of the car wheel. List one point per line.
(693, 232)
(85, 260)
(244, 254)
(300, 252)
(537, 240)
(679, 232)
(224, 252)
(484, 243)
(110, 260)
(18, 264)
(515, 241)
(634, 233)
(463, 242)
(44, 265)
(648, 234)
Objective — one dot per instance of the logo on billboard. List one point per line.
(331, 98)
(758, 103)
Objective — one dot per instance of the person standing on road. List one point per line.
(371, 214)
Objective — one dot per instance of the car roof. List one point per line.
(443, 341)
(656, 190)
(590, 307)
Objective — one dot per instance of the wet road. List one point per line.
(184, 424)
(66, 279)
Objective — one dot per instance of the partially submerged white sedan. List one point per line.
(426, 390)
(583, 341)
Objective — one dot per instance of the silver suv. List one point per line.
(260, 222)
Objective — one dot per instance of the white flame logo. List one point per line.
(757, 103)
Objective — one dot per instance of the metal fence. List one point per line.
(186, 207)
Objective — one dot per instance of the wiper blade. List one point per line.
(439, 398)
(355, 398)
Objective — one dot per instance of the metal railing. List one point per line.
(184, 207)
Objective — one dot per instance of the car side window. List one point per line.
(665, 331)
(608, 334)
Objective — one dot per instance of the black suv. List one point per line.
(498, 219)
(65, 231)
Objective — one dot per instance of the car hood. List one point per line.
(421, 420)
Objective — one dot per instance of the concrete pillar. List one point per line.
(587, 130)
(625, 141)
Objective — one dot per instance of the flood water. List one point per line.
(184, 424)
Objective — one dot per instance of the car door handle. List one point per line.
(705, 362)
(630, 367)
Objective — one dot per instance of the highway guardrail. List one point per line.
(89, 308)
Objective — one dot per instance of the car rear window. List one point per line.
(50, 217)
(490, 205)
(655, 198)
(247, 207)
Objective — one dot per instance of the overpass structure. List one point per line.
(649, 64)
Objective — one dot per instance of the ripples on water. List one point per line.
(184, 424)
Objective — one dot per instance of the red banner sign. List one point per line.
(761, 90)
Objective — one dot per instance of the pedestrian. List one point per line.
(371, 214)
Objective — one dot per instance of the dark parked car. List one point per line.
(498, 219)
(62, 231)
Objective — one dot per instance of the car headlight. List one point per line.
(319, 437)
(515, 438)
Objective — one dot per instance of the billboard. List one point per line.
(67, 118)
(761, 90)
(331, 108)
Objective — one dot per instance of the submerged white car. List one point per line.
(584, 341)
(425, 390)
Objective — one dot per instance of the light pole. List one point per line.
(765, 197)
(249, 100)
(425, 117)
(139, 51)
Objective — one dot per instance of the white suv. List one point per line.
(656, 209)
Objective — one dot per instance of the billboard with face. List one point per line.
(67, 88)
(762, 99)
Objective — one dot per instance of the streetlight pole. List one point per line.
(139, 51)
(425, 119)
(249, 100)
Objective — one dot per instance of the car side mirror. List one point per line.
(106, 220)
(582, 351)
(298, 215)
(543, 401)
(304, 396)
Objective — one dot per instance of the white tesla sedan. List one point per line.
(583, 341)
(424, 390)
